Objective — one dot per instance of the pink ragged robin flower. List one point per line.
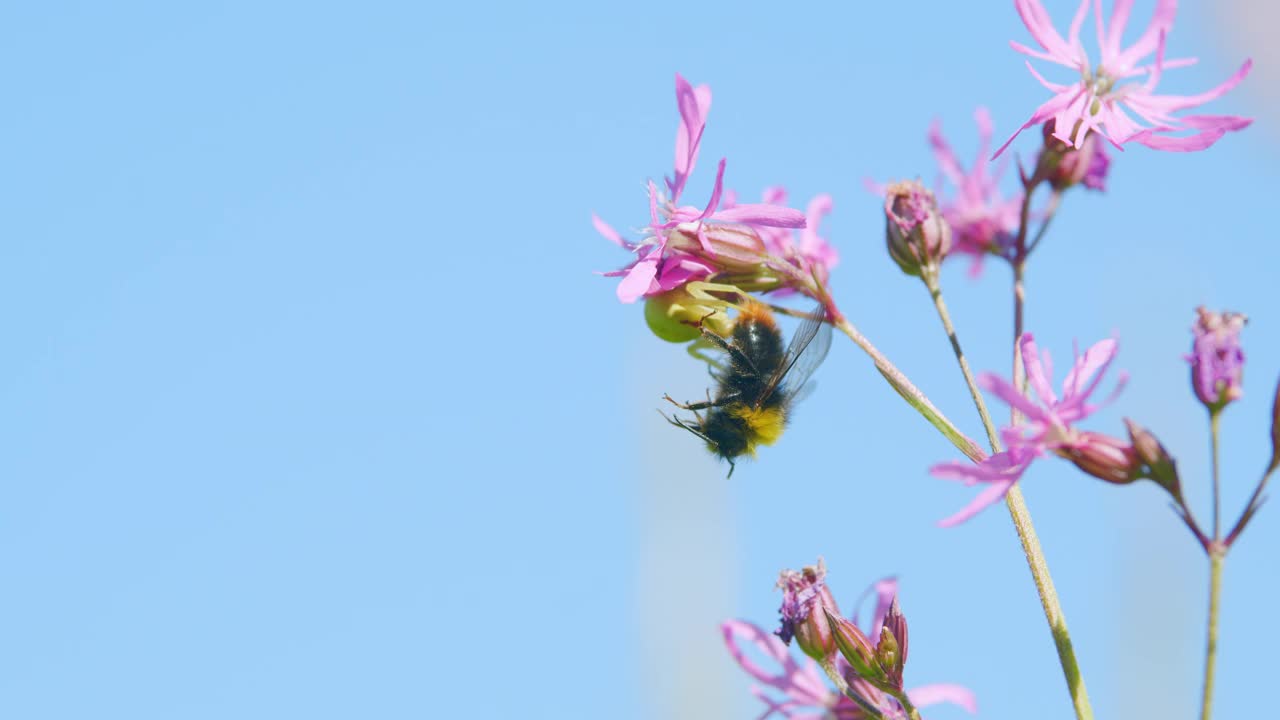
(1048, 424)
(984, 221)
(685, 243)
(1116, 96)
(797, 690)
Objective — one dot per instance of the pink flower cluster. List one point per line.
(795, 689)
(684, 243)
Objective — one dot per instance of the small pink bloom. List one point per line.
(702, 234)
(984, 221)
(799, 690)
(1048, 424)
(1106, 96)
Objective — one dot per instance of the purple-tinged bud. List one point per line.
(856, 648)
(1217, 360)
(806, 606)
(1063, 165)
(1156, 462)
(893, 643)
(1105, 458)
(866, 701)
(917, 235)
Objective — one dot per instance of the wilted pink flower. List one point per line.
(1105, 94)
(685, 243)
(1047, 426)
(1217, 360)
(805, 596)
(798, 691)
(984, 221)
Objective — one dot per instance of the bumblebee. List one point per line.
(758, 384)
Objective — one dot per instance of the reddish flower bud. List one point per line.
(916, 233)
(1156, 462)
(1063, 166)
(806, 605)
(1105, 458)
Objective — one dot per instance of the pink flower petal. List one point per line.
(926, 695)
(609, 233)
(1036, 377)
(988, 497)
(638, 281)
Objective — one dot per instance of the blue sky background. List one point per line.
(313, 408)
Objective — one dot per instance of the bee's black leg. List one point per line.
(734, 353)
(701, 405)
(682, 424)
(731, 468)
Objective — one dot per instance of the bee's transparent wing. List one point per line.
(806, 352)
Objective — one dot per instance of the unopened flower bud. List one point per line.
(916, 233)
(856, 648)
(872, 702)
(1217, 360)
(677, 316)
(1157, 464)
(806, 606)
(889, 655)
(728, 248)
(895, 623)
(1063, 165)
(1105, 458)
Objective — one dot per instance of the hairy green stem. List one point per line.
(1216, 557)
(935, 291)
(908, 391)
(1020, 514)
(1014, 500)
(1217, 491)
(1217, 553)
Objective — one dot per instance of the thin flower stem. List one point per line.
(908, 391)
(935, 291)
(905, 702)
(1217, 496)
(1217, 551)
(1050, 210)
(1022, 523)
(1049, 601)
(1216, 557)
(1255, 502)
(1017, 504)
